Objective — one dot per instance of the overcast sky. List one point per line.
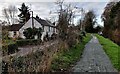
(43, 7)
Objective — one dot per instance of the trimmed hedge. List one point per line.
(28, 42)
(9, 48)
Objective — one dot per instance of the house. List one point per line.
(16, 30)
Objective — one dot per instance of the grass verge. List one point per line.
(65, 59)
(111, 49)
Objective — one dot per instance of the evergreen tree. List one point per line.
(90, 21)
(24, 15)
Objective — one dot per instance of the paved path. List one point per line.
(94, 59)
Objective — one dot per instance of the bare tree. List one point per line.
(5, 13)
(66, 13)
(63, 21)
(9, 13)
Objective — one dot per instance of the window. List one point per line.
(49, 29)
(14, 32)
(43, 28)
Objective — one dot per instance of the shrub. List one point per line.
(9, 48)
(21, 42)
(29, 33)
(53, 36)
(73, 38)
(46, 38)
(28, 42)
(12, 48)
(4, 67)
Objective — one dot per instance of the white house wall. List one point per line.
(27, 25)
(37, 24)
(11, 34)
(47, 29)
(51, 31)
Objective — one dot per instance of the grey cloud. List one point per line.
(43, 8)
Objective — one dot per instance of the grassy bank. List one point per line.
(65, 59)
(111, 49)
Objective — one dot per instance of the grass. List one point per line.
(8, 42)
(111, 49)
(65, 59)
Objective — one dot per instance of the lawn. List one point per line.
(65, 59)
(112, 50)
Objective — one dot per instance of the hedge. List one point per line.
(9, 48)
(28, 42)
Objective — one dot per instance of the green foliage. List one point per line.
(9, 48)
(24, 15)
(98, 29)
(115, 10)
(113, 14)
(39, 30)
(28, 42)
(29, 33)
(65, 59)
(112, 50)
(90, 21)
(5, 32)
(111, 19)
(18, 62)
(111, 22)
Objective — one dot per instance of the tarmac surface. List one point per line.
(94, 59)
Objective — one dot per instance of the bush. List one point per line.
(30, 33)
(53, 36)
(19, 38)
(9, 48)
(46, 38)
(4, 67)
(28, 42)
(64, 60)
(73, 38)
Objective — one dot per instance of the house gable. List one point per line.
(47, 27)
(29, 24)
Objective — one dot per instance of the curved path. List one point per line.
(94, 59)
(30, 49)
